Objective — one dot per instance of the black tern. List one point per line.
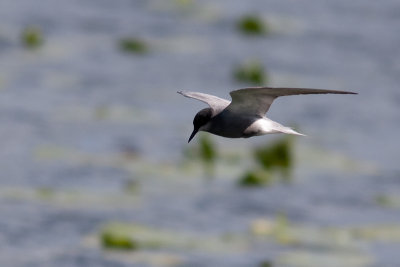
(244, 116)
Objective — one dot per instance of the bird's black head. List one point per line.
(202, 118)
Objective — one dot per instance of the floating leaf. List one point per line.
(281, 231)
(277, 155)
(32, 37)
(266, 263)
(207, 150)
(131, 236)
(252, 72)
(256, 178)
(113, 239)
(133, 45)
(252, 25)
(301, 258)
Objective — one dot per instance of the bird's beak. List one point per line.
(193, 134)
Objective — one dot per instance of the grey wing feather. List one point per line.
(217, 104)
(257, 100)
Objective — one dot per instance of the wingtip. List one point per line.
(349, 92)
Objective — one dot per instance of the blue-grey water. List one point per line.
(81, 120)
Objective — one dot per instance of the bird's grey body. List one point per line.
(234, 125)
(229, 124)
(244, 116)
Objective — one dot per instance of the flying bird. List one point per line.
(244, 116)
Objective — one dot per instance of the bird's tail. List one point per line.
(288, 130)
(274, 127)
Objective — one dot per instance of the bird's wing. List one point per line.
(216, 104)
(257, 100)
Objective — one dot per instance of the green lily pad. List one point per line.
(32, 37)
(133, 45)
(252, 25)
(252, 72)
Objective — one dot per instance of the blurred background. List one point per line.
(95, 165)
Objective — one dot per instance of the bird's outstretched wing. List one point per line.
(216, 104)
(257, 100)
